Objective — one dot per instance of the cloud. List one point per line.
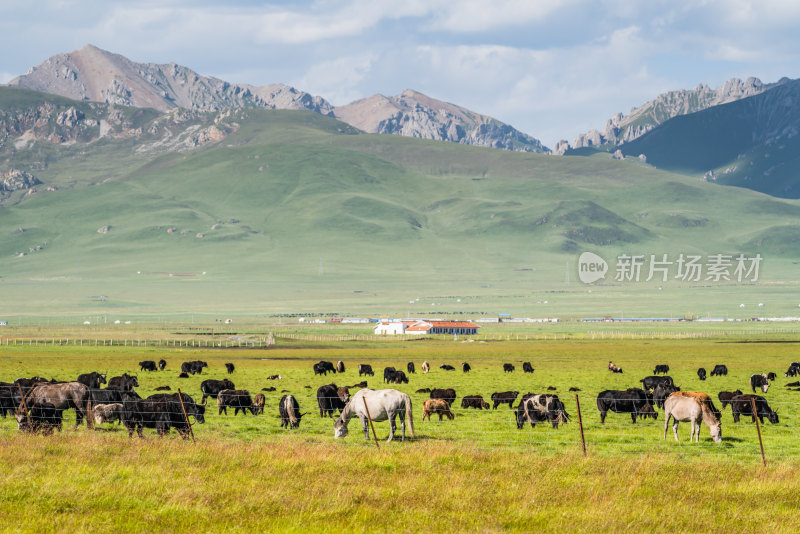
(338, 79)
(482, 16)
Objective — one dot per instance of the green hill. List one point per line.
(292, 211)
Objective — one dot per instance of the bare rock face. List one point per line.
(413, 114)
(621, 128)
(16, 180)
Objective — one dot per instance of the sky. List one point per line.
(551, 68)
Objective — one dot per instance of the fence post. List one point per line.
(370, 422)
(25, 406)
(186, 417)
(580, 425)
(758, 428)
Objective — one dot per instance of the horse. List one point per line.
(62, 396)
(383, 405)
(691, 406)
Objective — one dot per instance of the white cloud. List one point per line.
(337, 79)
(6, 77)
(481, 16)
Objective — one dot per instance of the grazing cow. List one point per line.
(574, 389)
(527, 367)
(466, 367)
(274, 377)
(411, 369)
(148, 365)
(44, 417)
(331, 398)
(794, 369)
(474, 401)
(399, 377)
(771, 376)
(426, 367)
(9, 398)
(230, 368)
(162, 364)
(360, 385)
(289, 410)
(163, 388)
(161, 411)
(445, 394)
(388, 374)
(212, 387)
(648, 411)
(504, 397)
(125, 382)
(663, 369)
(238, 399)
(106, 396)
(62, 396)
(108, 413)
(183, 374)
(446, 367)
(423, 390)
(661, 392)
(552, 388)
(92, 380)
(365, 369)
(340, 366)
(194, 367)
(258, 403)
(726, 396)
(759, 381)
(651, 382)
(439, 406)
(720, 370)
(632, 401)
(508, 368)
(540, 409)
(701, 373)
(328, 366)
(743, 405)
(613, 368)
(271, 388)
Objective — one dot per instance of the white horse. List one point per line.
(383, 404)
(692, 407)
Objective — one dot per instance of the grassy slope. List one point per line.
(478, 473)
(390, 218)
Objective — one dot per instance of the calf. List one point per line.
(183, 374)
(771, 376)
(289, 410)
(258, 403)
(446, 367)
(613, 368)
(508, 368)
(743, 405)
(148, 365)
(411, 369)
(425, 367)
(162, 364)
(212, 387)
(466, 367)
(759, 381)
(438, 406)
(720, 370)
(504, 397)
(527, 367)
(274, 377)
(701, 373)
(648, 411)
(238, 399)
(365, 369)
(108, 413)
(726, 396)
(663, 369)
(474, 401)
(445, 394)
(230, 368)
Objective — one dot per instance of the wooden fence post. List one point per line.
(25, 406)
(370, 423)
(758, 428)
(580, 425)
(180, 397)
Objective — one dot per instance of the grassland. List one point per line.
(476, 473)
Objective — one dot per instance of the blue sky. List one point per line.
(552, 68)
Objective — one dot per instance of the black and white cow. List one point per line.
(759, 381)
(541, 408)
(107, 413)
(289, 410)
(794, 369)
(162, 364)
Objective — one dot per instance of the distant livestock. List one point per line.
(508, 368)
(230, 368)
(125, 382)
(466, 367)
(162, 364)
(426, 367)
(613, 368)
(289, 410)
(340, 366)
(194, 367)
(148, 365)
(701, 373)
(663, 369)
(527, 367)
(410, 368)
(651, 382)
(759, 381)
(92, 380)
(794, 369)
(238, 399)
(330, 398)
(446, 367)
(365, 369)
(107, 413)
(720, 370)
(212, 387)
(726, 396)
(323, 367)
(448, 394)
(474, 401)
(504, 397)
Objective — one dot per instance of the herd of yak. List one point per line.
(38, 403)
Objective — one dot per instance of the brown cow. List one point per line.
(439, 406)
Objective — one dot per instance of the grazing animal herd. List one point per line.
(38, 404)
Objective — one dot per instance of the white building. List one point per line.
(386, 327)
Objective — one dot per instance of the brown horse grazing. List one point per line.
(62, 396)
(693, 407)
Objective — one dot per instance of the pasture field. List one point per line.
(476, 473)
